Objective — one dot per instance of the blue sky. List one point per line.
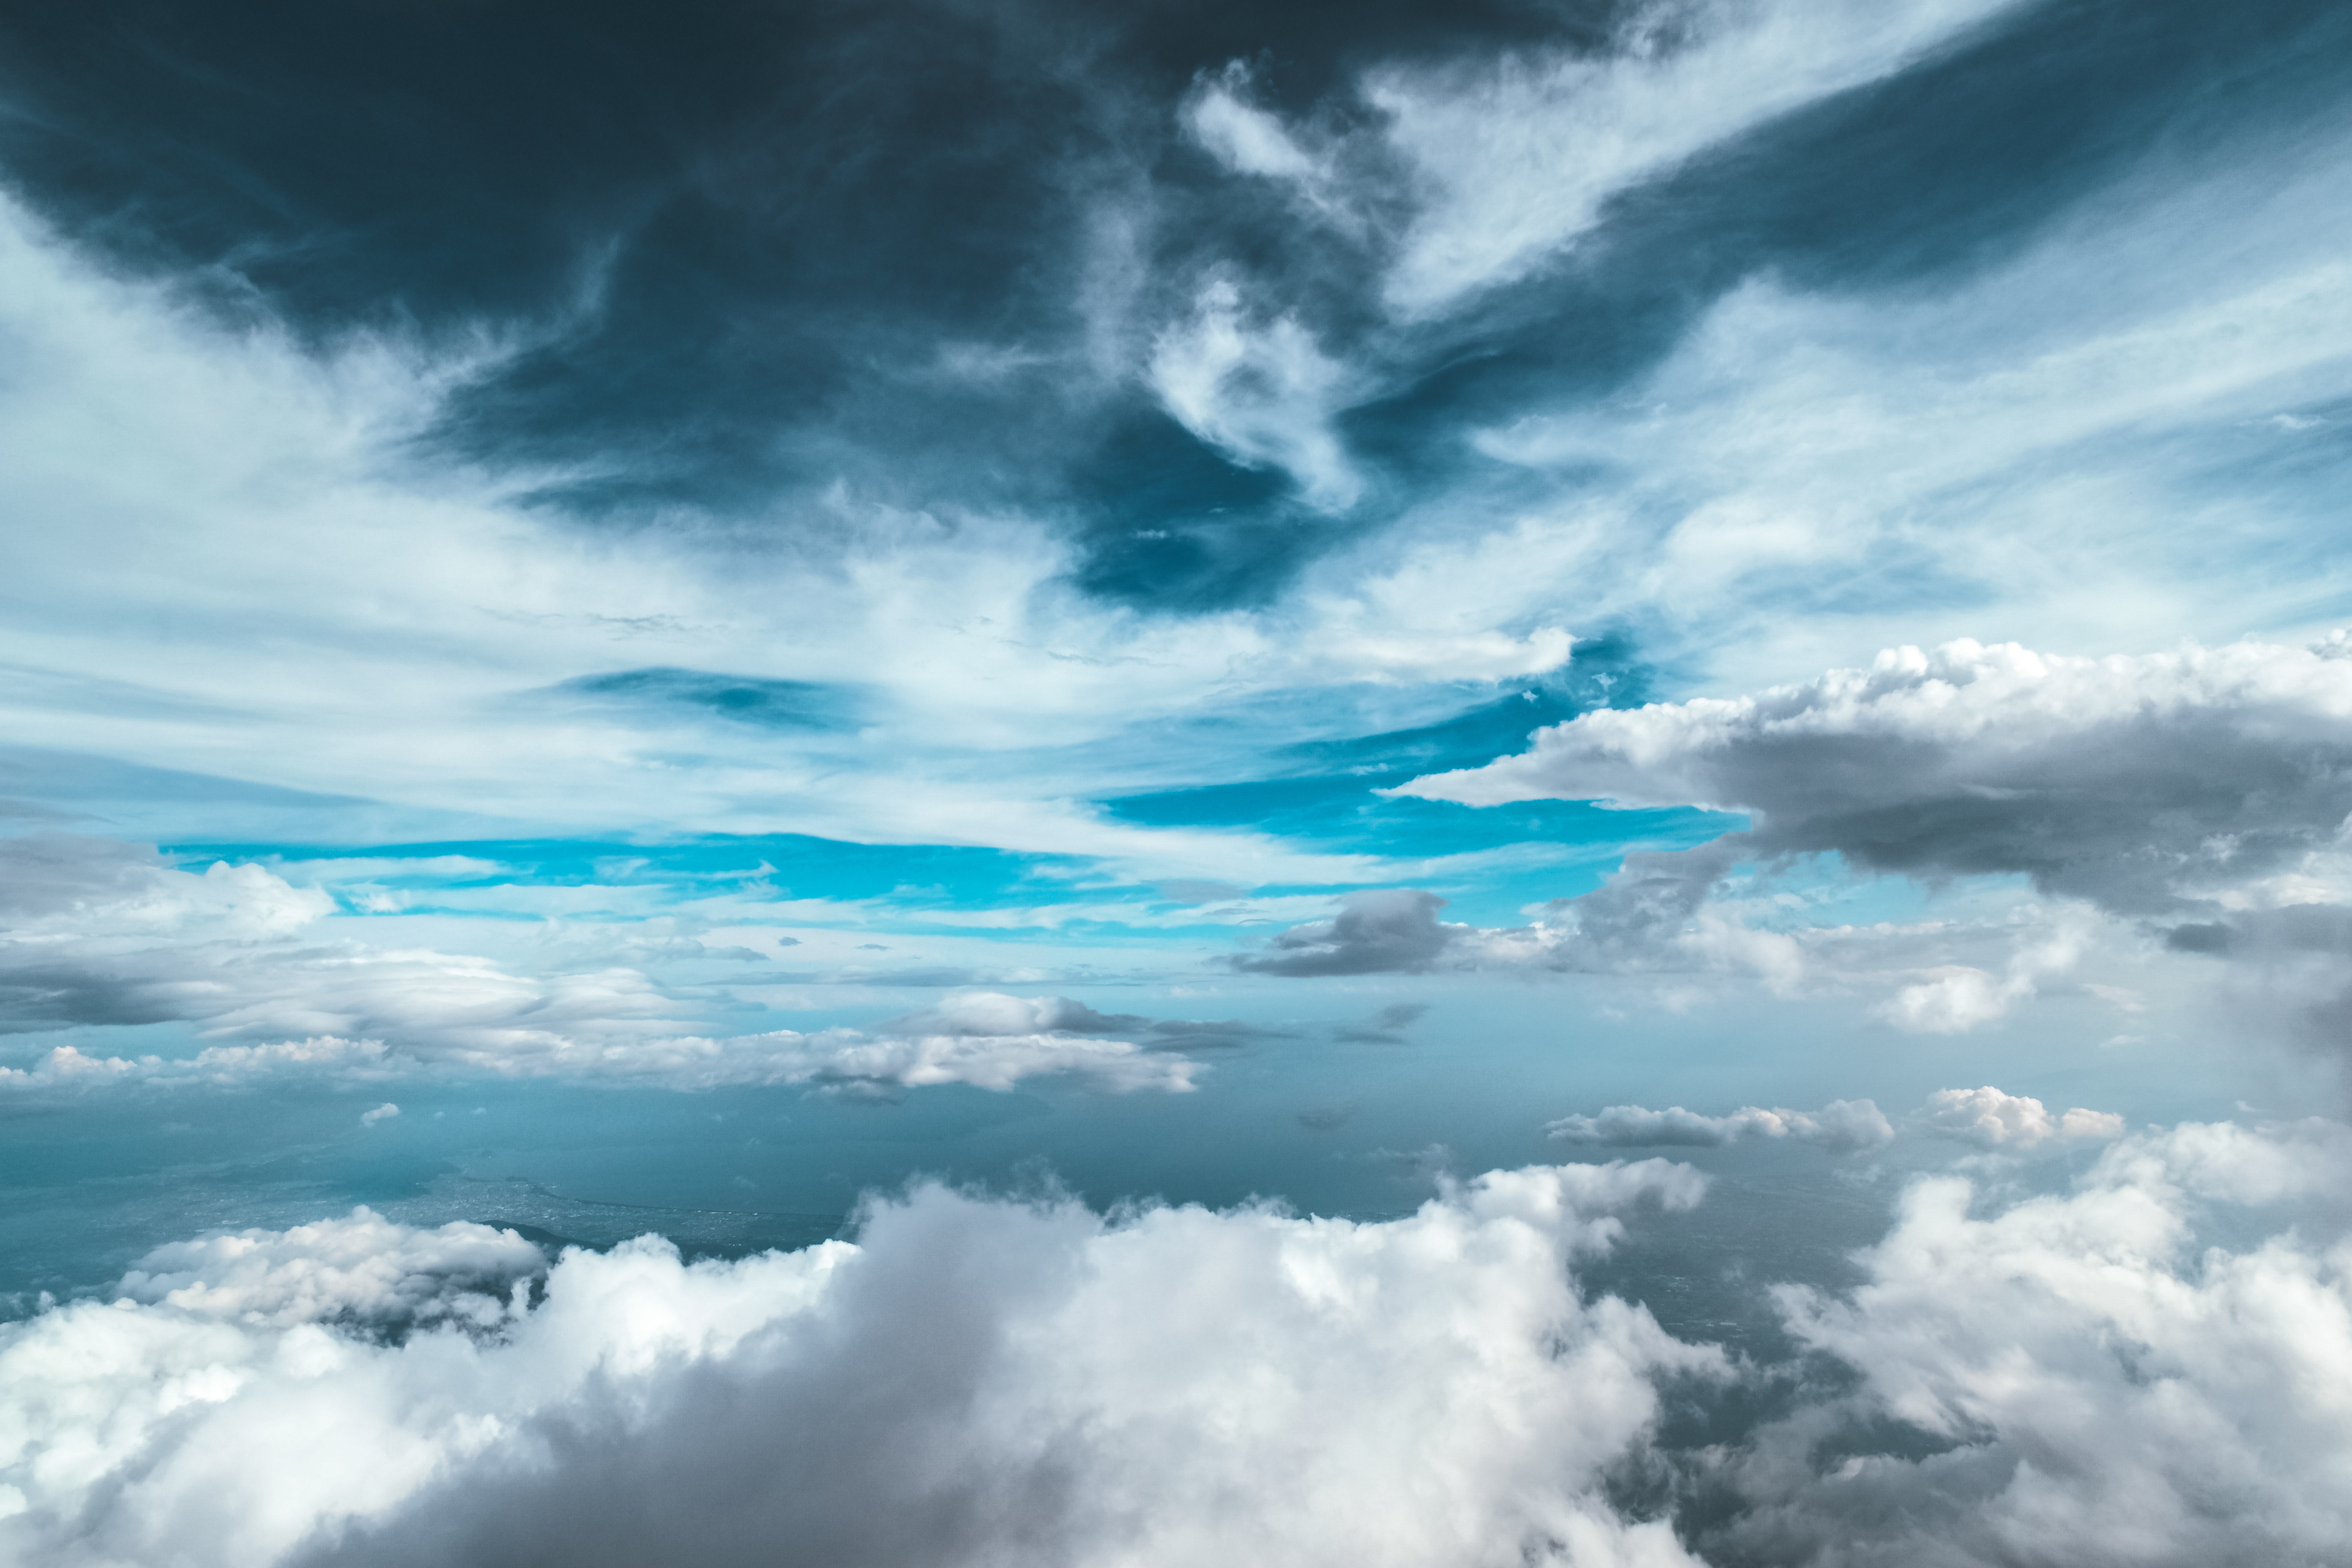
(672, 619)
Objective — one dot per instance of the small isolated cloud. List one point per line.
(1244, 137)
(363, 1269)
(1842, 1126)
(1996, 1121)
(1264, 392)
(1389, 931)
(383, 1112)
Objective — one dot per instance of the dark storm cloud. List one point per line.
(744, 250)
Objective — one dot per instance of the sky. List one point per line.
(1537, 782)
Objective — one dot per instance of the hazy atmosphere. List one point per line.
(921, 784)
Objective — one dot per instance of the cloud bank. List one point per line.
(2079, 1376)
(974, 1380)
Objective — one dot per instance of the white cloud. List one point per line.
(383, 1112)
(1264, 393)
(1517, 155)
(363, 1269)
(1845, 1126)
(2102, 1389)
(99, 933)
(2071, 1378)
(973, 1380)
(1997, 1120)
(1244, 137)
(837, 1058)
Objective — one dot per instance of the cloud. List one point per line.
(383, 1112)
(1997, 1120)
(846, 1059)
(1517, 154)
(362, 1270)
(1263, 394)
(2074, 1379)
(1659, 915)
(2201, 794)
(1842, 1126)
(2145, 784)
(1244, 137)
(2070, 1377)
(974, 1380)
(102, 933)
(1385, 931)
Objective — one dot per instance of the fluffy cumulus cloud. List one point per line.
(1998, 1121)
(973, 1381)
(2077, 1376)
(362, 1270)
(2079, 1379)
(1842, 1126)
(2198, 796)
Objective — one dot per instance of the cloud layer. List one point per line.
(2077, 1376)
(974, 1380)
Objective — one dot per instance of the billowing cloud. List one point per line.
(2077, 1380)
(1842, 1126)
(974, 1380)
(2069, 1377)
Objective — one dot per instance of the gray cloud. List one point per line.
(1389, 931)
(2142, 785)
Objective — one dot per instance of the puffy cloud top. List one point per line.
(1995, 1120)
(973, 1381)
(363, 1269)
